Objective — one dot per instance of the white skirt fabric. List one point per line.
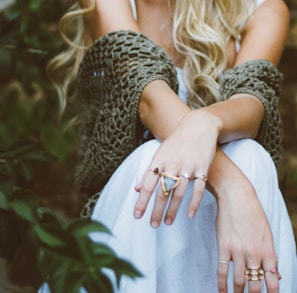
(183, 257)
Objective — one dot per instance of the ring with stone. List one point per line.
(186, 176)
(201, 177)
(168, 183)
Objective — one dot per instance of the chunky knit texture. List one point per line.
(110, 81)
(263, 80)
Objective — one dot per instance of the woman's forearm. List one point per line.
(238, 117)
(241, 116)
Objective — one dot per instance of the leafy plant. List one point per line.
(28, 103)
(39, 246)
(37, 243)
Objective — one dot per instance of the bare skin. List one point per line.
(198, 151)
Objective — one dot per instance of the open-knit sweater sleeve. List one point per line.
(263, 80)
(111, 78)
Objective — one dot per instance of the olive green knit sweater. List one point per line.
(111, 78)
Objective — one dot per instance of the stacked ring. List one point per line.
(254, 274)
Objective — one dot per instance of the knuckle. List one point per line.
(239, 282)
(274, 287)
(178, 195)
(145, 189)
(222, 286)
(252, 250)
(255, 290)
(222, 272)
(140, 207)
(171, 213)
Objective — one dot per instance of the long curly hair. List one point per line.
(202, 30)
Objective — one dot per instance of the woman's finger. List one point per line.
(271, 275)
(175, 200)
(198, 190)
(238, 272)
(222, 271)
(147, 187)
(159, 208)
(254, 275)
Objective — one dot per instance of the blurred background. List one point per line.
(38, 147)
(29, 106)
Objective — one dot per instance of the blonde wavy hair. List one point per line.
(202, 30)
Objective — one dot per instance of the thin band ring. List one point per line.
(225, 262)
(272, 270)
(186, 176)
(201, 177)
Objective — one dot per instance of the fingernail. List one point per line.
(155, 224)
(137, 214)
(191, 214)
(168, 221)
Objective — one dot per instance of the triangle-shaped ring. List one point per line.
(168, 183)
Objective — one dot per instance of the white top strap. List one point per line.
(133, 6)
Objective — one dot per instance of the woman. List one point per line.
(198, 208)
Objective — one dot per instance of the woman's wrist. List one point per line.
(221, 182)
(211, 122)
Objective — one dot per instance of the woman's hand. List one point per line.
(244, 237)
(188, 151)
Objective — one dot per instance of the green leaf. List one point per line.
(6, 184)
(49, 217)
(98, 284)
(49, 236)
(25, 171)
(27, 151)
(61, 274)
(83, 228)
(24, 204)
(4, 203)
(123, 267)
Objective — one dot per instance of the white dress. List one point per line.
(182, 258)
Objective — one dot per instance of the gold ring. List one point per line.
(168, 183)
(254, 274)
(201, 177)
(272, 270)
(186, 176)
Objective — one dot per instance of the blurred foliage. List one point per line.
(28, 103)
(37, 243)
(39, 246)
